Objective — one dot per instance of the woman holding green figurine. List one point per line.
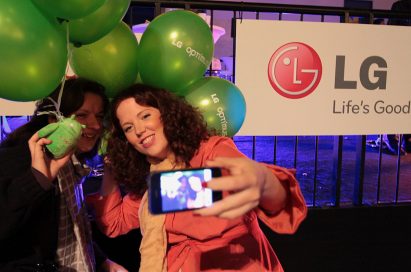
(44, 221)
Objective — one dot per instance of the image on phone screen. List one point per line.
(182, 190)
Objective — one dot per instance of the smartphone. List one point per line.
(181, 190)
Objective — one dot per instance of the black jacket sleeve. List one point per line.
(20, 192)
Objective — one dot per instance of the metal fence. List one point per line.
(333, 171)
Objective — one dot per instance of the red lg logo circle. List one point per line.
(294, 70)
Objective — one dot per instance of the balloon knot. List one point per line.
(61, 20)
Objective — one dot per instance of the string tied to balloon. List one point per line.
(65, 133)
(56, 104)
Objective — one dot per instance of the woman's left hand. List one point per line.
(246, 182)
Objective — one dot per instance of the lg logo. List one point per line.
(365, 79)
(295, 70)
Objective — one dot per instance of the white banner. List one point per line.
(305, 78)
(11, 108)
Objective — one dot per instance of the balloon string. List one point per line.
(57, 104)
(48, 112)
(67, 66)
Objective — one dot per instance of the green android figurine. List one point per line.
(64, 135)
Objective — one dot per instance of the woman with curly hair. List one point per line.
(155, 130)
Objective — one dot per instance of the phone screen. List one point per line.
(181, 190)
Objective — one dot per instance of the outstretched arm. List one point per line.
(251, 184)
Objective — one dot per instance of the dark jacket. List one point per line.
(28, 214)
(401, 6)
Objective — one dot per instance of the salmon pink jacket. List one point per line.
(197, 243)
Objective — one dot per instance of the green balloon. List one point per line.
(33, 52)
(110, 61)
(221, 103)
(68, 9)
(175, 50)
(94, 26)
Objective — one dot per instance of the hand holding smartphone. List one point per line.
(181, 190)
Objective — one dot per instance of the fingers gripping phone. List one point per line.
(181, 190)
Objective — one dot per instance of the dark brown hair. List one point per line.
(72, 99)
(184, 129)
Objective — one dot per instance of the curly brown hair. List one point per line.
(184, 128)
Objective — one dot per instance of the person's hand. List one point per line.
(110, 266)
(39, 161)
(246, 182)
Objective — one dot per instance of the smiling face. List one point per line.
(143, 129)
(90, 114)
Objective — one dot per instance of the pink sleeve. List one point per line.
(115, 215)
(295, 211)
(216, 146)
